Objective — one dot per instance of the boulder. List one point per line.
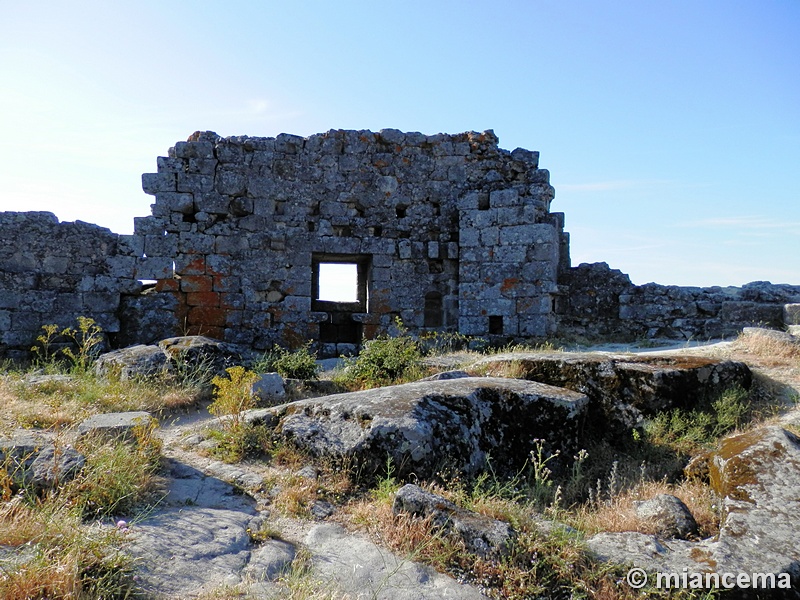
(269, 390)
(757, 475)
(424, 427)
(116, 425)
(200, 352)
(34, 461)
(484, 536)
(131, 362)
(54, 466)
(669, 515)
(624, 388)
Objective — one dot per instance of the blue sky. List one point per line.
(671, 129)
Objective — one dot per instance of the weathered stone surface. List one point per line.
(757, 474)
(134, 361)
(197, 351)
(486, 537)
(669, 515)
(54, 466)
(425, 426)
(361, 569)
(624, 388)
(116, 425)
(269, 390)
(599, 302)
(446, 375)
(34, 461)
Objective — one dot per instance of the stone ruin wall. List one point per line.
(439, 226)
(602, 303)
(53, 272)
(448, 232)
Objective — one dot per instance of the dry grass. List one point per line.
(768, 347)
(62, 553)
(618, 514)
(60, 403)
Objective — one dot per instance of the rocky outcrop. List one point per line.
(757, 475)
(624, 388)
(135, 361)
(38, 462)
(424, 427)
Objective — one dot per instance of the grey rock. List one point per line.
(200, 352)
(625, 388)
(791, 314)
(486, 537)
(322, 509)
(134, 361)
(363, 570)
(269, 390)
(268, 562)
(116, 425)
(669, 515)
(772, 334)
(183, 552)
(420, 425)
(54, 466)
(447, 375)
(308, 472)
(757, 475)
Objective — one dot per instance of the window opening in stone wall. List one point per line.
(496, 325)
(338, 282)
(483, 201)
(433, 310)
(400, 211)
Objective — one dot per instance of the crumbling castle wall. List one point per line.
(600, 302)
(53, 272)
(447, 232)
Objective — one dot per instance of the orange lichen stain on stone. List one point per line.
(203, 299)
(509, 284)
(729, 471)
(168, 285)
(703, 556)
(197, 283)
(380, 164)
(209, 316)
(196, 266)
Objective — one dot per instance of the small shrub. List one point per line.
(233, 394)
(300, 364)
(385, 360)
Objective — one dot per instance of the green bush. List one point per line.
(385, 360)
(297, 364)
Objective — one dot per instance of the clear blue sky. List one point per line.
(671, 129)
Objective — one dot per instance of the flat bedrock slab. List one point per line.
(365, 571)
(427, 426)
(121, 425)
(625, 388)
(757, 474)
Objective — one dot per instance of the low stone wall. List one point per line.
(53, 272)
(599, 302)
